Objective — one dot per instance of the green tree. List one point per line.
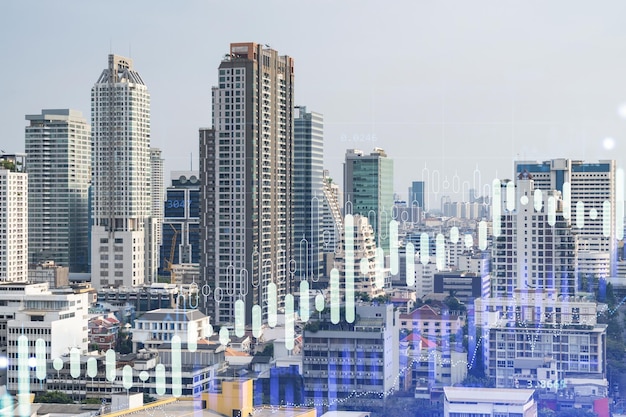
(454, 304)
(363, 296)
(56, 397)
(611, 300)
(477, 381)
(268, 350)
(93, 401)
(10, 165)
(124, 342)
(575, 412)
(546, 412)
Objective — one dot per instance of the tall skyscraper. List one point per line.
(533, 246)
(13, 219)
(153, 226)
(157, 188)
(308, 173)
(121, 175)
(368, 190)
(58, 145)
(592, 194)
(246, 164)
(416, 194)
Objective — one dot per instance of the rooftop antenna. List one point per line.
(191, 161)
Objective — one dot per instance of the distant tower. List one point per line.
(121, 175)
(157, 192)
(13, 219)
(416, 194)
(58, 148)
(368, 189)
(246, 174)
(308, 194)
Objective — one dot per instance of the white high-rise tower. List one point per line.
(13, 219)
(120, 120)
(153, 227)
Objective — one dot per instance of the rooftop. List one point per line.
(172, 314)
(490, 395)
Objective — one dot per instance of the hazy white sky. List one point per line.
(446, 86)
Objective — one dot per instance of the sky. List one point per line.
(454, 91)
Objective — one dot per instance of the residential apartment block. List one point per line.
(58, 148)
(13, 222)
(341, 359)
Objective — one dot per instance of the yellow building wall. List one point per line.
(235, 395)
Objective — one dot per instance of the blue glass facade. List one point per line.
(181, 228)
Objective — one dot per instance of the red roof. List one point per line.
(416, 337)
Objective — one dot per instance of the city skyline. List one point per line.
(461, 98)
(459, 91)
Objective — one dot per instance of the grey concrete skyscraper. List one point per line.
(308, 193)
(58, 146)
(120, 117)
(246, 164)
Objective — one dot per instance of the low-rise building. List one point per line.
(343, 358)
(431, 323)
(158, 326)
(466, 286)
(533, 331)
(46, 327)
(488, 402)
(103, 332)
(144, 298)
(430, 363)
(55, 275)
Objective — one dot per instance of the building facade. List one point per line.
(537, 335)
(589, 192)
(534, 246)
(246, 173)
(56, 276)
(121, 175)
(344, 358)
(181, 222)
(416, 194)
(46, 327)
(308, 172)
(58, 145)
(368, 190)
(154, 223)
(158, 326)
(13, 222)
(357, 253)
(488, 402)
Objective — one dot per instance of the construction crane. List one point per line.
(170, 261)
